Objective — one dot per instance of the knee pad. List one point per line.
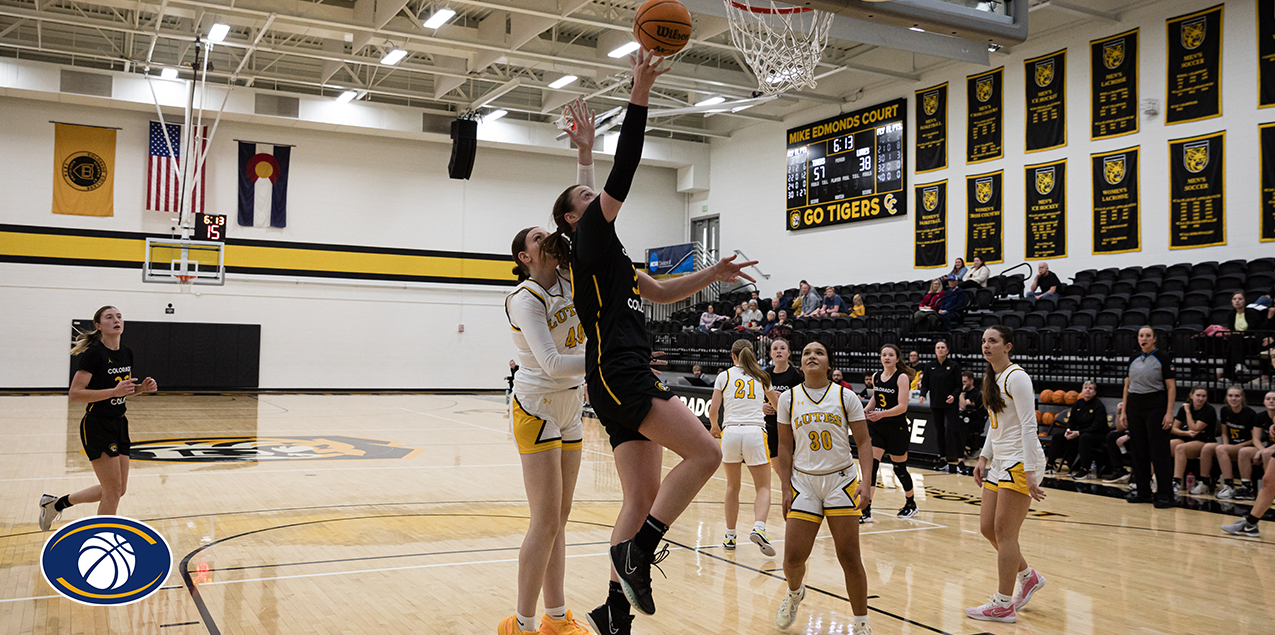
(905, 479)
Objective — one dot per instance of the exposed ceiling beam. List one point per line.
(1077, 10)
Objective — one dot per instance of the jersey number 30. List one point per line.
(818, 440)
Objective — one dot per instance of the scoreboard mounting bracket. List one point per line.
(848, 168)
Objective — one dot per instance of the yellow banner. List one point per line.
(83, 170)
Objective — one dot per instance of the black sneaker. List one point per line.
(945, 469)
(633, 566)
(1133, 497)
(1164, 503)
(909, 509)
(965, 470)
(1244, 493)
(606, 621)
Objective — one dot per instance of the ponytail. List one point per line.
(558, 244)
(743, 350)
(85, 339)
(993, 400)
(519, 246)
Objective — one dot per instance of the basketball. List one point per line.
(1071, 397)
(1048, 419)
(106, 561)
(662, 26)
(1059, 397)
(1039, 416)
(1046, 396)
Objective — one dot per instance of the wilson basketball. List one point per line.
(1046, 396)
(1071, 397)
(1039, 417)
(1048, 419)
(662, 26)
(1059, 397)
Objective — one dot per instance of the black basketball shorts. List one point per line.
(620, 391)
(892, 435)
(104, 435)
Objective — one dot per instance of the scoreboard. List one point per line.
(848, 168)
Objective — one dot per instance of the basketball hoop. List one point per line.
(782, 45)
(184, 282)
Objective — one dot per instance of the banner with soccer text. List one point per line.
(1194, 88)
(1197, 191)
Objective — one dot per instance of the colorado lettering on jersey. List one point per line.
(816, 417)
(886, 389)
(561, 316)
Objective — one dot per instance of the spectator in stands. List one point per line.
(867, 387)
(807, 303)
(1150, 389)
(709, 318)
(513, 370)
(858, 309)
(781, 328)
(1245, 318)
(1239, 431)
(1117, 448)
(926, 318)
(977, 275)
(766, 325)
(1086, 430)
(1045, 285)
(958, 268)
(839, 379)
(752, 317)
(1194, 427)
(833, 304)
(972, 417)
(735, 320)
(914, 361)
(952, 306)
(941, 384)
(697, 377)
(778, 303)
(763, 304)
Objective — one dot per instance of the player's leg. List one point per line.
(799, 539)
(1207, 453)
(638, 463)
(672, 425)
(1226, 455)
(761, 506)
(733, 474)
(900, 464)
(1247, 525)
(845, 537)
(112, 474)
(555, 601)
(542, 478)
(878, 453)
(1245, 458)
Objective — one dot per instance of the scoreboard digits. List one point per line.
(847, 168)
(210, 227)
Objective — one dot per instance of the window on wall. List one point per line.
(704, 233)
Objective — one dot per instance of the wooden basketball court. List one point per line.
(404, 514)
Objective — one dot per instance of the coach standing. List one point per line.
(941, 384)
(1149, 392)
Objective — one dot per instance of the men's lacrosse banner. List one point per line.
(1113, 87)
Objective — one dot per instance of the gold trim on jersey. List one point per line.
(822, 397)
(528, 430)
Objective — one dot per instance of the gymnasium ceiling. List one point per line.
(497, 53)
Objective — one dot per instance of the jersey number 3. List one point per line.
(739, 389)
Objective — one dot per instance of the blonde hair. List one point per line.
(85, 339)
(743, 351)
(936, 286)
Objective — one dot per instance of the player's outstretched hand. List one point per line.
(581, 115)
(646, 67)
(727, 270)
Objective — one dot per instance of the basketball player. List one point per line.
(783, 377)
(1009, 470)
(1239, 431)
(1247, 525)
(887, 416)
(819, 479)
(630, 401)
(742, 389)
(104, 380)
(545, 411)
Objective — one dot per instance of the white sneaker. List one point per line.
(1177, 489)
(788, 609)
(47, 513)
(759, 538)
(862, 629)
(1200, 488)
(1226, 493)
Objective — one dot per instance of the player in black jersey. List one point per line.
(783, 377)
(887, 419)
(103, 379)
(629, 399)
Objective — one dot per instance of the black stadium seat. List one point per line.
(1142, 301)
(1233, 267)
(1193, 317)
(1154, 271)
(1222, 315)
(1091, 303)
(1084, 277)
(1134, 318)
(1179, 270)
(1044, 304)
(1083, 319)
(1108, 319)
(983, 299)
(1263, 283)
(1230, 282)
(1099, 288)
(1129, 273)
(1108, 275)
(1116, 302)
(1164, 318)
(1176, 283)
(1261, 265)
(1198, 300)
(1024, 305)
(1034, 320)
(1122, 287)
(1012, 319)
(1201, 282)
(1149, 285)
(1058, 319)
(1168, 299)
(1068, 304)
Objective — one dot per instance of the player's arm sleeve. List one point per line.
(528, 314)
(584, 175)
(628, 152)
(784, 414)
(854, 407)
(1020, 388)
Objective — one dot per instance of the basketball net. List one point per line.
(782, 45)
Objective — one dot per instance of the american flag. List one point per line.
(163, 182)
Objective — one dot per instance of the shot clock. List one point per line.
(210, 227)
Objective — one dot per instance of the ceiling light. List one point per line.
(562, 81)
(623, 49)
(992, 48)
(168, 73)
(711, 101)
(439, 18)
(917, 29)
(346, 97)
(494, 115)
(394, 56)
(218, 32)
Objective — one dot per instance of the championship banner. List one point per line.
(1265, 53)
(1046, 210)
(1197, 182)
(1046, 101)
(984, 217)
(673, 261)
(1195, 67)
(1267, 132)
(1116, 216)
(931, 225)
(83, 170)
(931, 129)
(1113, 88)
(985, 116)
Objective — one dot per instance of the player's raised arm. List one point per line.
(628, 151)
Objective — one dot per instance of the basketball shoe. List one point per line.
(1034, 582)
(566, 626)
(728, 543)
(509, 626)
(759, 537)
(632, 565)
(788, 608)
(1241, 527)
(608, 622)
(993, 612)
(47, 513)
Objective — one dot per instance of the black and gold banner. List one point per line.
(1046, 206)
(984, 219)
(1267, 132)
(1113, 88)
(1195, 66)
(1046, 101)
(1197, 183)
(931, 129)
(1265, 53)
(1116, 214)
(984, 140)
(931, 225)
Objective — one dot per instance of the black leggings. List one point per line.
(951, 433)
(1149, 443)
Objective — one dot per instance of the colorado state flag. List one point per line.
(263, 184)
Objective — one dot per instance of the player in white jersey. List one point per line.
(740, 391)
(820, 479)
(545, 415)
(1009, 470)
